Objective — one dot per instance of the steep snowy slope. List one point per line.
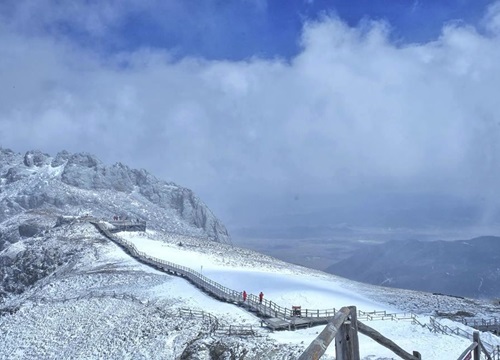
(35, 189)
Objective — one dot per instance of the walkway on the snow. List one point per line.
(274, 316)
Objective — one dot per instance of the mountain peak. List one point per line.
(81, 183)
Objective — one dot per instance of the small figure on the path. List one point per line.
(244, 295)
(261, 296)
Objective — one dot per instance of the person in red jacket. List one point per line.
(261, 296)
(244, 295)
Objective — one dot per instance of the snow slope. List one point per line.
(108, 305)
(290, 285)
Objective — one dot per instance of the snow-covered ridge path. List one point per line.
(266, 308)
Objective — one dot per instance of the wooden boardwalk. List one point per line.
(277, 317)
(491, 325)
(274, 316)
(127, 225)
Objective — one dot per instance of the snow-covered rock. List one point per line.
(80, 183)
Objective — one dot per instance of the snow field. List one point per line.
(407, 336)
(73, 315)
(286, 285)
(93, 328)
(288, 288)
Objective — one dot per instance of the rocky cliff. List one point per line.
(35, 188)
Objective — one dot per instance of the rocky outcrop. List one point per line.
(30, 229)
(36, 158)
(37, 254)
(60, 158)
(73, 184)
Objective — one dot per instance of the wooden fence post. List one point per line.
(341, 344)
(346, 341)
(477, 349)
(318, 346)
(354, 331)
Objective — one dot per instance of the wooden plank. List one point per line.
(297, 323)
(382, 340)
(354, 331)
(466, 354)
(276, 324)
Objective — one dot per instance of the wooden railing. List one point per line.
(265, 307)
(127, 225)
(491, 325)
(491, 352)
(344, 328)
(341, 319)
(475, 349)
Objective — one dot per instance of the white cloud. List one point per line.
(492, 18)
(351, 111)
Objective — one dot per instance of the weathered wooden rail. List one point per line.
(344, 328)
(475, 350)
(127, 225)
(342, 325)
(264, 308)
(491, 325)
(491, 352)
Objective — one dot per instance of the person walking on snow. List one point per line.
(244, 295)
(261, 296)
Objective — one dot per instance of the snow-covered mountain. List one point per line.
(68, 292)
(45, 187)
(35, 189)
(463, 268)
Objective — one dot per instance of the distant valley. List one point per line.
(463, 268)
(396, 258)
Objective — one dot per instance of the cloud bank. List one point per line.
(353, 111)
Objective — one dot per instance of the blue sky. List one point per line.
(241, 29)
(235, 30)
(296, 105)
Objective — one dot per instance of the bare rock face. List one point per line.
(36, 190)
(30, 229)
(75, 184)
(60, 158)
(35, 158)
(15, 174)
(36, 253)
